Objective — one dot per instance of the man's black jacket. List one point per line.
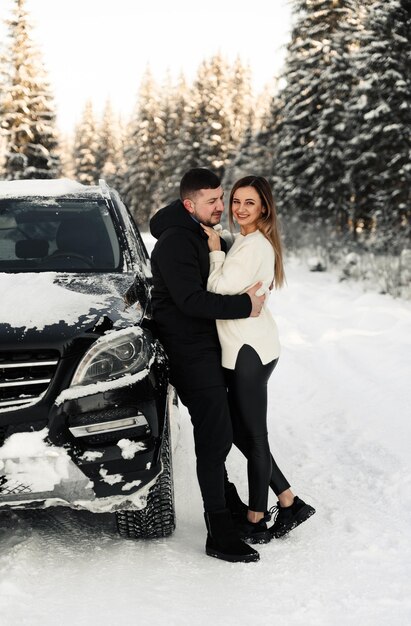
(183, 309)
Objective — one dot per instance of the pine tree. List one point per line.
(144, 152)
(3, 147)
(109, 158)
(85, 148)
(3, 134)
(66, 156)
(240, 104)
(379, 150)
(205, 137)
(187, 142)
(174, 108)
(254, 156)
(308, 168)
(213, 119)
(330, 187)
(263, 105)
(26, 107)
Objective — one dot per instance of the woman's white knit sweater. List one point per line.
(250, 260)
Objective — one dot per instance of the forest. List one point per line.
(331, 133)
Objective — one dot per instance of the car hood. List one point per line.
(52, 309)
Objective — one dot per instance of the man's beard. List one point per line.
(213, 222)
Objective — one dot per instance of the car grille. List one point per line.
(25, 376)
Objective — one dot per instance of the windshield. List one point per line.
(57, 234)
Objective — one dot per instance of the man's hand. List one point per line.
(256, 301)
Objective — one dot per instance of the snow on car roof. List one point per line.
(45, 188)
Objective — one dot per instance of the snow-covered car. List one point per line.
(84, 394)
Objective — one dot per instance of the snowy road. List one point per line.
(340, 429)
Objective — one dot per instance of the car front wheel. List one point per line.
(157, 519)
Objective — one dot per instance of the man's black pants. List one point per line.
(213, 438)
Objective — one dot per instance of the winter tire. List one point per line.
(157, 519)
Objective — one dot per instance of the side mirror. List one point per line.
(137, 292)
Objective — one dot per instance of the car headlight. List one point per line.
(112, 356)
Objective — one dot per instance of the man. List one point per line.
(185, 314)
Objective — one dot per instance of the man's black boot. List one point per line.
(233, 501)
(223, 541)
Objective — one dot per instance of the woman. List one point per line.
(250, 351)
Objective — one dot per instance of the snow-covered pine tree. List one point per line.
(144, 152)
(109, 156)
(66, 156)
(240, 104)
(379, 151)
(85, 148)
(206, 133)
(264, 103)
(212, 119)
(27, 112)
(174, 108)
(240, 162)
(330, 185)
(187, 142)
(254, 156)
(255, 153)
(305, 186)
(3, 139)
(213, 112)
(3, 145)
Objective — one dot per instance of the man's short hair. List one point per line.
(195, 179)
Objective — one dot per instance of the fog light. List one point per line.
(106, 427)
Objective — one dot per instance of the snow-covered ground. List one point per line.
(340, 427)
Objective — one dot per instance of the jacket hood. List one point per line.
(172, 215)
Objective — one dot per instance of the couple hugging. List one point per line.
(211, 313)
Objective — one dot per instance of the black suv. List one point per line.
(84, 394)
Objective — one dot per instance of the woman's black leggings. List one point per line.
(247, 397)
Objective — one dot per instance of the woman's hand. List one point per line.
(214, 242)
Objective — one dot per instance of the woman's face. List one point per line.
(247, 209)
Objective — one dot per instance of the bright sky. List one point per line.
(95, 49)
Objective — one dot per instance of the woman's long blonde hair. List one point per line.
(268, 223)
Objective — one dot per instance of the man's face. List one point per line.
(206, 206)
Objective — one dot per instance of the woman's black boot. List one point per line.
(255, 532)
(223, 541)
(290, 516)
